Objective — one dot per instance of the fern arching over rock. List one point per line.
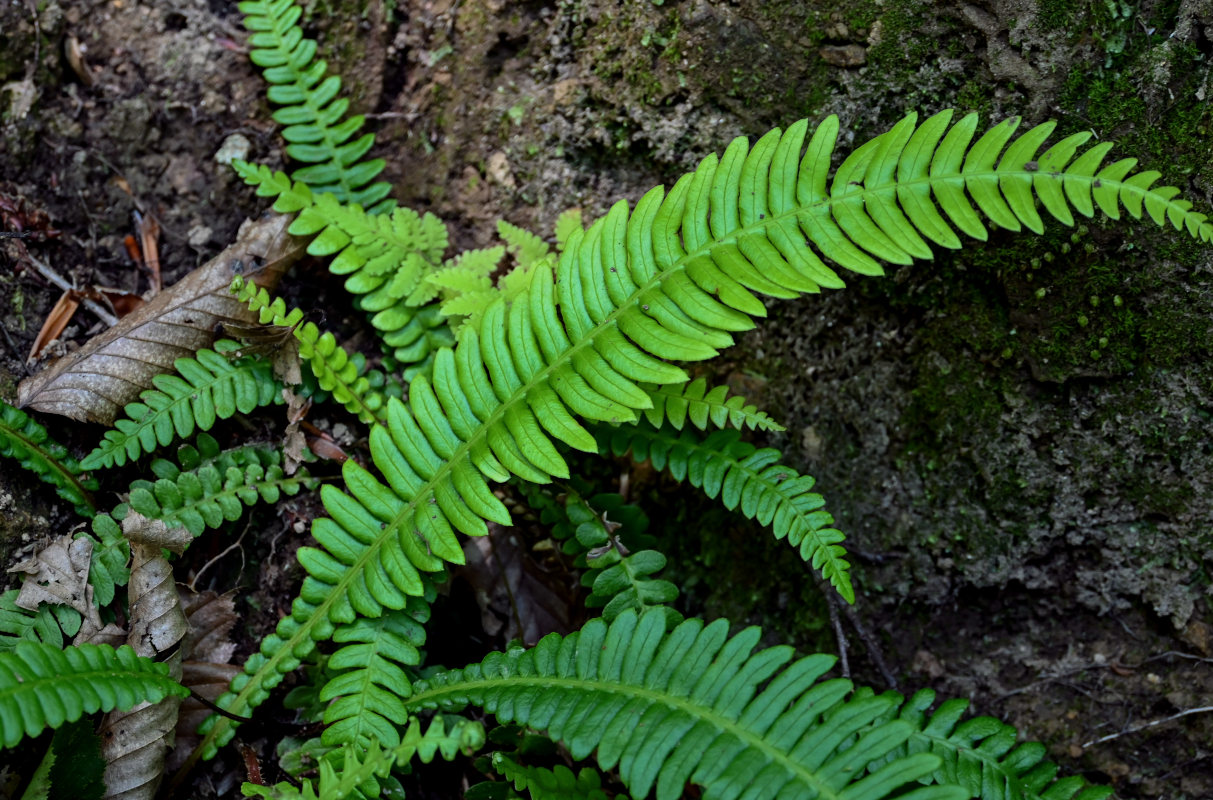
(673, 279)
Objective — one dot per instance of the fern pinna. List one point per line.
(673, 279)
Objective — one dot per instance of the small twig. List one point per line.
(839, 635)
(193, 585)
(98, 310)
(873, 646)
(1144, 726)
(223, 712)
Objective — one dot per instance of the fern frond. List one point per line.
(111, 554)
(215, 490)
(528, 249)
(984, 756)
(208, 387)
(413, 346)
(351, 771)
(365, 697)
(695, 402)
(665, 709)
(558, 783)
(746, 479)
(47, 624)
(43, 686)
(25, 439)
(316, 128)
(335, 370)
(674, 279)
(568, 223)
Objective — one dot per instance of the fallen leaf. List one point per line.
(55, 323)
(134, 742)
(139, 529)
(518, 598)
(205, 670)
(94, 383)
(149, 231)
(58, 574)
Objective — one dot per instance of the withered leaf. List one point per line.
(111, 369)
(134, 742)
(58, 574)
(518, 598)
(206, 651)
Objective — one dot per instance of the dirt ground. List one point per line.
(1017, 438)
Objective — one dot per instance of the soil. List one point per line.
(1015, 437)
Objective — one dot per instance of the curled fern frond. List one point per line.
(558, 783)
(352, 770)
(333, 367)
(216, 488)
(206, 388)
(673, 279)
(748, 479)
(317, 131)
(25, 439)
(48, 623)
(665, 709)
(43, 686)
(695, 403)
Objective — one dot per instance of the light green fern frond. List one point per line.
(27, 440)
(206, 388)
(527, 248)
(48, 623)
(747, 479)
(217, 486)
(696, 403)
(352, 770)
(43, 686)
(335, 370)
(665, 709)
(558, 783)
(673, 279)
(317, 131)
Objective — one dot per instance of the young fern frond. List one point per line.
(206, 388)
(43, 686)
(333, 367)
(48, 623)
(348, 771)
(365, 697)
(746, 479)
(216, 487)
(558, 783)
(665, 709)
(25, 439)
(695, 403)
(315, 131)
(674, 279)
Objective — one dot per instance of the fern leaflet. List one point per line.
(558, 783)
(46, 624)
(43, 686)
(695, 403)
(27, 440)
(208, 387)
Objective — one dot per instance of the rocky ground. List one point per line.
(1016, 437)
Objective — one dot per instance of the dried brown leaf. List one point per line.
(141, 530)
(518, 598)
(58, 574)
(211, 618)
(94, 383)
(134, 742)
(55, 323)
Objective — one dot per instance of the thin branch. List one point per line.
(1145, 725)
(98, 310)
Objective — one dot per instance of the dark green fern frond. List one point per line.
(695, 402)
(111, 553)
(216, 488)
(333, 367)
(26, 440)
(48, 623)
(665, 709)
(746, 479)
(366, 695)
(984, 755)
(674, 279)
(206, 388)
(558, 783)
(316, 128)
(352, 770)
(43, 686)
